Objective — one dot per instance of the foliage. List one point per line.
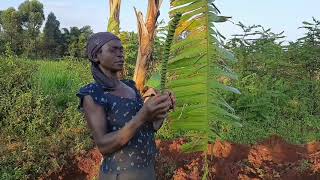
(195, 73)
(12, 30)
(114, 21)
(20, 34)
(280, 89)
(77, 39)
(130, 44)
(55, 80)
(32, 17)
(39, 133)
(42, 129)
(51, 37)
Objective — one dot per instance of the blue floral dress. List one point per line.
(140, 151)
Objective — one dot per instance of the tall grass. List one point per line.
(61, 80)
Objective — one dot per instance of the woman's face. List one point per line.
(111, 56)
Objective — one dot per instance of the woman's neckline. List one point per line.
(121, 97)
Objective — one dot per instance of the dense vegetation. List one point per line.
(41, 127)
(279, 84)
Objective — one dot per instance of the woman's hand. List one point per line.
(172, 98)
(156, 107)
(152, 92)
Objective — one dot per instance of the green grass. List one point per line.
(61, 80)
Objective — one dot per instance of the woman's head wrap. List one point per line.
(95, 42)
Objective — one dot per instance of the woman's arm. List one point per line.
(111, 142)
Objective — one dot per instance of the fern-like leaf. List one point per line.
(198, 61)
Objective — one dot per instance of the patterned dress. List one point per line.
(140, 151)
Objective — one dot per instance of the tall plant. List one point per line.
(146, 34)
(114, 20)
(198, 61)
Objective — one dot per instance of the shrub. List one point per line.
(41, 126)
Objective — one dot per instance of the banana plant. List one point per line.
(198, 60)
(146, 33)
(114, 20)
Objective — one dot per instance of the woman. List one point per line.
(120, 122)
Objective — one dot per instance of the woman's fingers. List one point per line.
(173, 101)
(164, 105)
(172, 98)
(163, 115)
(155, 100)
(162, 111)
(160, 104)
(160, 98)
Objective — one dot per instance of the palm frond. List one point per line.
(198, 60)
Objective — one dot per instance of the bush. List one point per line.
(41, 126)
(278, 94)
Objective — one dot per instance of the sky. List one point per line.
(279, 15)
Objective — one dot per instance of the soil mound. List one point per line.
(273, 158)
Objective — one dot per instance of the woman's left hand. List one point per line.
(153, 92)
(158, 121)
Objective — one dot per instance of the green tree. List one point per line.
(77, 39)
(1, 29)
(86, 32)
(2, 40)
(12, 30)
(73, 49)
(32, 15)
(64, 42)
(130, 45)
(305, 52)
(51, 37)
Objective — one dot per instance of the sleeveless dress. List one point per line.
(138, 155)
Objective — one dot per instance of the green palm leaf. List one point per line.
(197, 61)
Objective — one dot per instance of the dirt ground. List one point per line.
(270, 159)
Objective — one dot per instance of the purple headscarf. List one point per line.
(95, 42)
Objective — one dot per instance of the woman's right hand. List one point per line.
(156, 106)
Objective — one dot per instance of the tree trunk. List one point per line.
(146, 33)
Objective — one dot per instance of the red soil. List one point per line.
(270, 159)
